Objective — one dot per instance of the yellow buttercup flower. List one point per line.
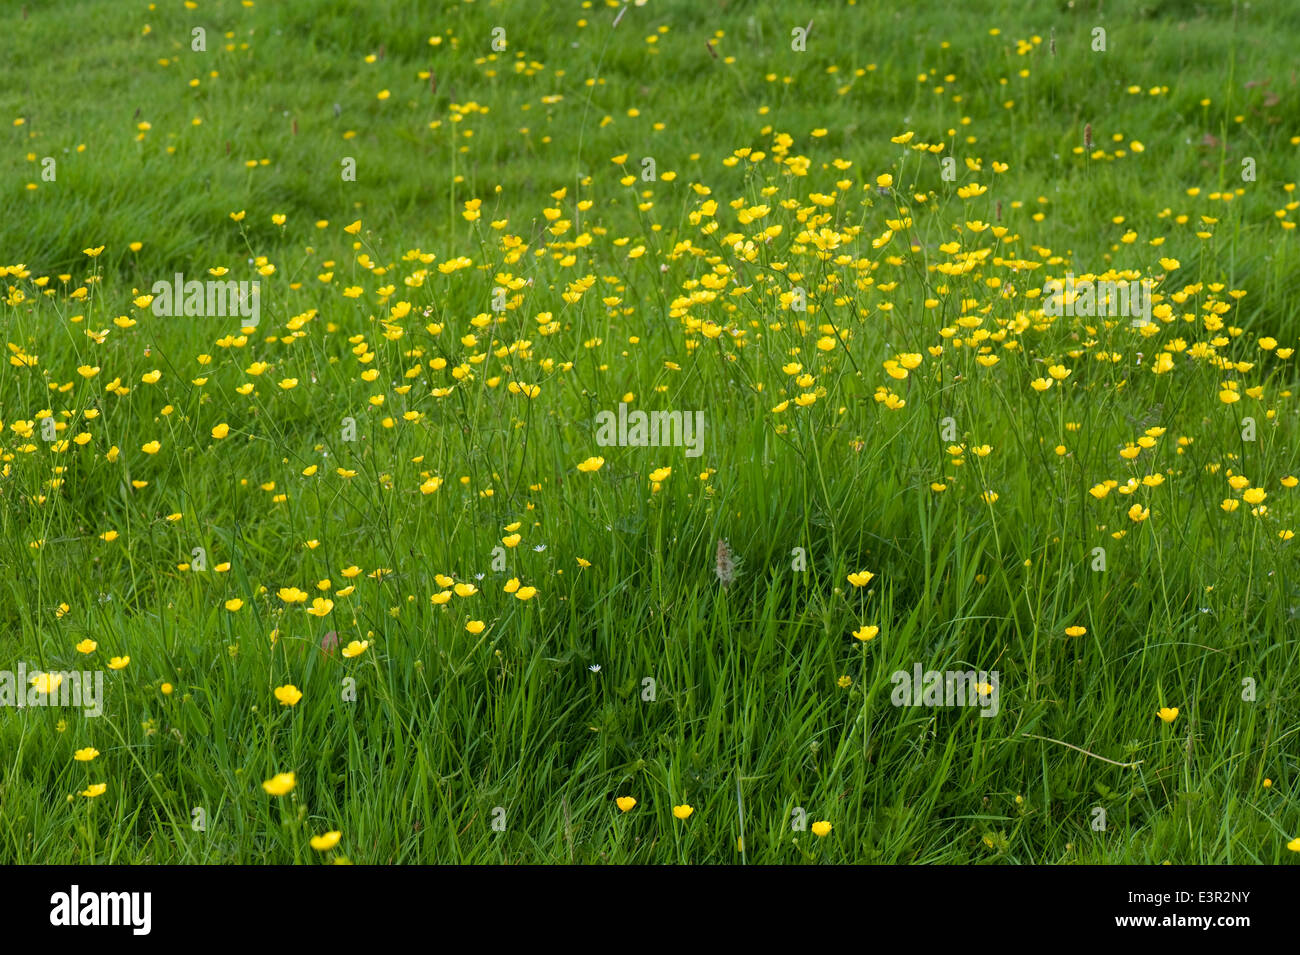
(320, 607)
(821, 829)
(1168, 713)
(85, 755)
(280, 784)
(46, 683)
(683, 811)
(355, 648)
(288, 695)
(324, 843)
(625, 803)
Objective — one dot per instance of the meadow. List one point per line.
(378, 568)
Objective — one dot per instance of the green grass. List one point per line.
(724, 698)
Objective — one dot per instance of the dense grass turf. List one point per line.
(907, 458)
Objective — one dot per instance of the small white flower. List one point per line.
(594, 668)
(539, 548)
